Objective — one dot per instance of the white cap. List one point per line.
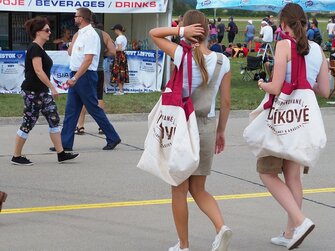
(250, 21)
(264, 22)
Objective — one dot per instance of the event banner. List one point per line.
(60, 71)
(145, 72)
(142, 71)
(97, 6)
(11, 71)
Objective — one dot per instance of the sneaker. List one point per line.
(177, 248)
(64, 156)
(21, 161)
(222, 239)
(280, 240)
(300, 233)
(53, 149)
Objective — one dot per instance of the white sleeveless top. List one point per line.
(210, 60)
(313, 62)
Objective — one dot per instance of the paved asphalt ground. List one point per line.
(102, 201)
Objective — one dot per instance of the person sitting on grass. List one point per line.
(229, 50)
(214, 44)
(245, 50)
(237, 51)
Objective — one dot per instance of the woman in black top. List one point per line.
(35, 92)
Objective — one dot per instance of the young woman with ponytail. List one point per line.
(195, 31)
(288, 192)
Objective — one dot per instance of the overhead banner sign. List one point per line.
(97, 6)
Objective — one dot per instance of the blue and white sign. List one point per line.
(60, 71)
(145, 72)
(11, 71)
(266, 5)
(145, 75)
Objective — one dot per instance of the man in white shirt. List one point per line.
(265, 36)
(266, 33)
(330, 28)
(84, 60)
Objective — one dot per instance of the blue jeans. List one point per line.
(84, 92)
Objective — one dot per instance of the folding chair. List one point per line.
(267, 49)
(254, 65)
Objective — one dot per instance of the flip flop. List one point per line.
(80, 131)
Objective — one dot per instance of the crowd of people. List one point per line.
(269, 32)
(211, 73)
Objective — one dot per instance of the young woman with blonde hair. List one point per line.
(204, 64)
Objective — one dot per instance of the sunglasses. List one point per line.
(47, 30)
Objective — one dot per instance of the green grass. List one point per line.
(245, 95)
(11, 105)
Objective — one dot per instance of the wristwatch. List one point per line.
(74, 79)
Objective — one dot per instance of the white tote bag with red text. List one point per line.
(171, 148)
(289, 126)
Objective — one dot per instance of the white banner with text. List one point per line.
(145, 71)
(97, 6)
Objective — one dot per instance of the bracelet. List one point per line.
(181, 31)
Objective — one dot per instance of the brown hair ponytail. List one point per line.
(200, 60)
(301, 38)
(293, 16)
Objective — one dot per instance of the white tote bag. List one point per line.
(289, 126)
(171, 148)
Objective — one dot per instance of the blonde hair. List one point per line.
(197, 17)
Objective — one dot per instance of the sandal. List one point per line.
(80, 131)
(3, 197)
(101, 131)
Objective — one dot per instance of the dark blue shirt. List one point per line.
(310, 34)
(216, 47)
